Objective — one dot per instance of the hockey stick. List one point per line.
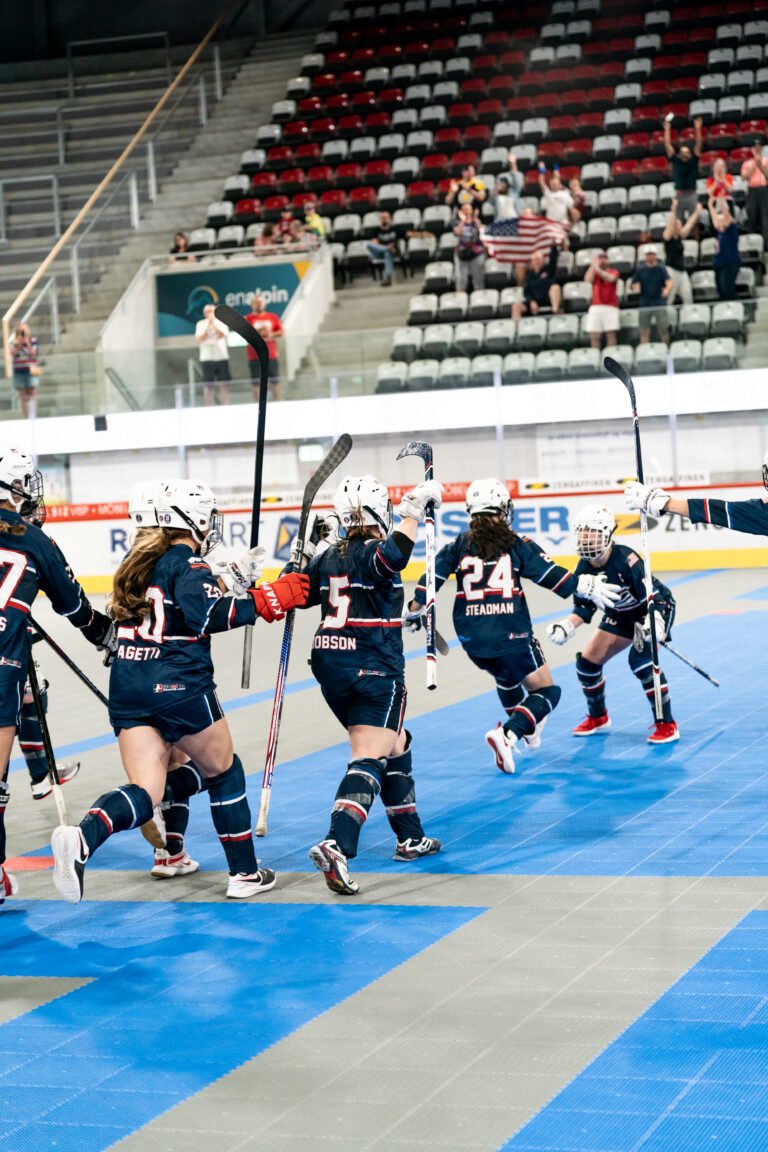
(337, 454)
(240, 325)
(690, 663)
(34, 684)
(620, 372)
(68, 661)
(424, 451)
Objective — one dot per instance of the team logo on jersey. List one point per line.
(286, 530)
(170, 688)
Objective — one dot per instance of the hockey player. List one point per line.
(167, 604)
(357, 657)
(749, 516)
(29, 561)
(491, 615)
(623, 626)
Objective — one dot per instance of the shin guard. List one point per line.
(232, 818)
(356, 793)
(641, 664)
(510, 695)
(31, 739)
(115, 811)
(183, 782)
(592, 684)
(5, 796)
(398, 794)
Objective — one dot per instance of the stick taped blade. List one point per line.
(418, 448)
(620, 372)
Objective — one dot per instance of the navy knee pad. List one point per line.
(116, 811)
(231, 815)
(357, 791)
(510, 695)
(592, 682)
(182, 782)
(525, 717)
(641, 664)
(398, 794)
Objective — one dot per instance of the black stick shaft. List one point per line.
(69, 662)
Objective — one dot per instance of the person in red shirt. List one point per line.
(603, 314)
(269, 326)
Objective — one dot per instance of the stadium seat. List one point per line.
(219, 213)
(423, 374)
(629, 326)
(630, 226)
(437, 341)
(439, 277)
(650, 359)
(728, 318)
(202, 239)
(236, 187)
(745, 283)
(643, 198)
(601, 231)
(346, 227)
(390, 197)
(231, 236)
(751, 248)
(422, 309)
(483, 304)
(719, 352)
(563, 331)
(622, 257)
(497, 275)
(693, 321)
(468, 338)
(577, 297)
(406, 344)
(518, 367)
(500, 336)
(453, 307)
(485, 370)
(333, 202)
(419, 251)
(406, 220)
(455, 372)
(584, 363)
(531, 333)
(247, 212)
(606, 148)
(391, 377)
(595, 175)
(686, 355)
(703, 284)
(551, 365)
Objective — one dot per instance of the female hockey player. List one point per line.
(749, 516)
(357, 658)
(29, 561)
(621, 627)
(167, 604)
(491, 616)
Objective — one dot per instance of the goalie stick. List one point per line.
(620, 372)
(42, 720)
(337, 454)
(424, 451)
(240, 325)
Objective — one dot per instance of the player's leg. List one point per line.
(602, 646)
(665, 731)
(526, 688)
(8, 884)
(145, 755)
(31, 744)
(184, 780)
(398, 795)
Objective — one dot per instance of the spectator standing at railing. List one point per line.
(684, 162)
(469, 253)
(675, 233)
(726, 260)
(754, 172)
(507, 197)
(269, 326)
(283, 229)
(603, 313)
(211, 336)
(720, 181)
(26, 368)
(655, 285)
(265, 239)
(180, 250)
(556, 200)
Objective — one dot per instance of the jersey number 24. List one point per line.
(500, 580)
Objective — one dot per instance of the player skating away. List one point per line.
(491, 615)
(623, 626)
(162, 693)
(749, 516)
(29, 561)
(357, 658)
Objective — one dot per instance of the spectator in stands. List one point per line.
(211, 336)
(539, 287)
(283, 229)
(556, 201)
(180, 250)
(313, 222)
(385, 247)
(579, 197)
(720, 182)
(754, 172)
(655, 285)
(297, 236)
(469, 253)
(675, 232)
(26, 368)
(268, 324)
(467, 190)
(685, 165)
(265, 239)
(506, 200)
(726, 260)
(603, 313)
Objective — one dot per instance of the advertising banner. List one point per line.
(181, 296)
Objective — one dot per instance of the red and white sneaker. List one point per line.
(591, 725)
(502, 744)
(664, 732)
(168, 866)
(9, 885)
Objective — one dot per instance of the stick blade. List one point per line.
(239, 324)
(418, 448)
(620, 372)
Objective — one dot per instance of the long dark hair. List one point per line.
(490, 535)
(11, 529)
(128, 599)
(357, 530)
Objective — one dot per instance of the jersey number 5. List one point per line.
(15, 562)
(501, 578)
(339, 601)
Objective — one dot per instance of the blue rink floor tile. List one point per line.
(690, 1075)
(194, 971)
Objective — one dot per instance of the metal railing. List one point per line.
(43, 178)
(102, 41)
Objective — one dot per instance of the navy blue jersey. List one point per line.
(165, 659)
(490, 611)
(742, 515)
(30, 562)
(625, 568)
(360, 594)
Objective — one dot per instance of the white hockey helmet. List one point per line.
(594, 527)
(142, 503)
(364, 497)
(190, 505)
(22, 484)
(489, 495)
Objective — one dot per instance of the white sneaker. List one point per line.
(154, 830)
(533, 741)
(502, 745)
(9, 885)
(167, 866)
(328, 858)
(66, 772)
(241, 886)
(70, 853)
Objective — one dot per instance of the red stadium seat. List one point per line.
(723, 135)
(461, 160)
(634, 145)
(496, 41)
(750, 130)
(587, 124)
(646, 118)
(323, 129)
(349, 127)
(501, 87)
(264, 182)
(272, 207)
(247, 211)
(348, 175)
(364, 101)
(449, 138)
(443, 188)
(598, 99)
(518, 107)
(486, 65)
(301, 199)
(656, 142)
(420, 194)
(390, 54)
(666, 67)
(390, 99)
(309, 107)
(473, 88)
(479, 135)
(307, 155)
(512, 61)
(694, 63)
(351, 81)
(363, 58)
(336, 61)
(362, 199)
(416, 51)
(736, 158)
(461, 114)
(279, 157)
(337, 105)
(558, 79)
(435, 165)
(488, 112)
(377, 172)
(291, 180)
(550, 152)
(655, 91)
(333, 202)
(564, 127)
(319, 178)
(624, 172)
(684, 88)
(324, 84)
(444, 47)
(578, 151)
(295, 131)
(653, 170)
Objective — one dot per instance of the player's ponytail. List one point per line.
(11, 529)
(128, 600)
(357, 530)
(490, 535)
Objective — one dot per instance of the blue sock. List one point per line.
(182, 782)
(232, 819)
(115, 811)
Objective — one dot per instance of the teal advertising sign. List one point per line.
(181, 296)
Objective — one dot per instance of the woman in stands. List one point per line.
(167, 604)
(26, 368)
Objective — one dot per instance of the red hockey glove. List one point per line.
(274, 600)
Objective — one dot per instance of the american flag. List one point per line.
(514, 241)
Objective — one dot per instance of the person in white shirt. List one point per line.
(211, 335)
(556, 200)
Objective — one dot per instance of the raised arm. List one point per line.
(691, 222)
(698, 138)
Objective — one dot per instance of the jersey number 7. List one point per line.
(16, 563)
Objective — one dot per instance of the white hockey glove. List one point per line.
(642, 498)
(241, 574)
(300, 558)
(414, 621)
(108, 644)
(598, 590)
(413, 505)
(643, 632)
(561, 632)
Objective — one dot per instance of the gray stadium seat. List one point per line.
(423, 374)
(584, 363)
(484, 370)
(483, 304)
(518, 367)
(500, 336)
(577, 297)
(719, 352)
(601, 231)
(693, 321)
(219, 213)
(237, 187)
(703, 284)
(563, 331)
(392, 377)
(629, 326)
(506, 133)
(650, 359)
(438, 276)
(610, 202)
(551, 364)
(623, 353)
(606, 148)
(686, 355)
(728, 318)
(468, 338)
(406, 344)
(642, 198)
(437, 341)
(436, 218)
(455, 372)
(630, 226)
(453, 307)
(346, 227)
(201, 239)
(422, 309)
(230, 236)
(531, 333)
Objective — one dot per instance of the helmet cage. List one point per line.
(594, 530)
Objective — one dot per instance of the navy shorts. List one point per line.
(185, 719)
(512, 666)
(619, 626)
(378, 701)
(11, 695)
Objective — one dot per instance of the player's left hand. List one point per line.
(643, 632)
(414, 621)
(414, 504)
(598, 590)
(643, 498)
(238, 575)
(273, 600)
(108, 644)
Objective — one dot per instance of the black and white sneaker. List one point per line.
(66, 772)
(70, 853)
(415, 849)
(241, 886)
(331, 861)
